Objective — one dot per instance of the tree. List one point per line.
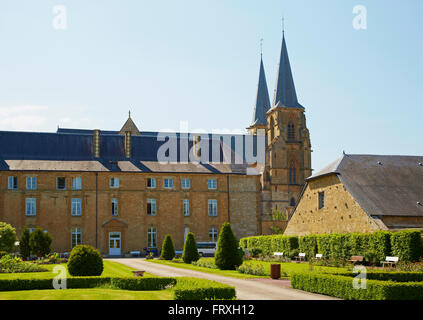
(168, 249)
(228, 255)
(24, 247)
(40, 242)
(7, 237)
(278, 215)
(85, 260)
(190, 253)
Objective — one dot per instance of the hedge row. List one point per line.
(201, 289)
(341, 286)
(405, 244)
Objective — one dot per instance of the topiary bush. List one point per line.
(24, 247)
(227, 255)
(168, 249)
(190, 252)
(85, 260)
(7, 237)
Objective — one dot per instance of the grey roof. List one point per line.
(382, 185)
(262, 100)
(285, 94)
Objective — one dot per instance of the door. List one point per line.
(114, 243)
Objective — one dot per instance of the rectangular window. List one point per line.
(114, 182)
(76, 183)
(151, 182)
(31, 183)
(13, 183)
(168, 183)
(151, 237)
(186, 231)
(212, 184)
(212, 208)
(213, 235)
(61, 183)
(151, 207)
(321, 200)
(186, 183)
(114, 207)
(30, 206)
(76, 206)
(76, 236)
(186, 207)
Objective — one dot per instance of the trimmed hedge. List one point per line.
(269, 244)
(407, 245)
(201, 289)
(308, 244)
(41, 284)
(144, 284)
(341, 286)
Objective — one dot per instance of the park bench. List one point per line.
(135, 253)
(355, 259)
(300, 257)
(278, 254)
(138, 273)
(390, 261)
(319, 256)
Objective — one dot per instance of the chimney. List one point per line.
(196, 146)
(128, 144)
(96, 143)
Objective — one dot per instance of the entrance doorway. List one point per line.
(115, 243)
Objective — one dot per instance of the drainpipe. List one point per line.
(229, 203)
(96, 209)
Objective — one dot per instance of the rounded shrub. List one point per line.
(190, 253)
(227, 255)
(168, 249)
(85, 260)
(7, 237)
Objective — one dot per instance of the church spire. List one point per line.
(262, 100)
(285, 94)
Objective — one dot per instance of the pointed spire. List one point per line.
(130, 126)
(262, 99)
(285, 93)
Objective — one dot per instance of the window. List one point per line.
(76, 183)
(186, 183)
(114, 182)
(292, 202)
(212, 208)
(12, 183)
(186, 230)
(76, 206)
(76, 237)
(186, 207)
(291, 131)
(151, 237)
(61, 183)
(151, 182)
(321, 200)
(114, 207)
(30, 206)
(31, 183)
(292, 174)
(151, 207)
(213, 234)
(168, 183)
(212, 184)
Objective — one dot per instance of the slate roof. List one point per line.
(382, 185)
(72, 150)
(262, 104)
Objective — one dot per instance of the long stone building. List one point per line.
(122, 191)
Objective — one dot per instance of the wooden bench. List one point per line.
(138, 273)
(390, 261)
(300, 257)
(355, 259)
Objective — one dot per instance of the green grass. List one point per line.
(87, 294)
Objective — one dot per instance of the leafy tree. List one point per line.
(24, 247)
(40, 242)
(190, 253)
(227, 255)
(278, 215)
(168, 249)
(85, 260)
(7, 237)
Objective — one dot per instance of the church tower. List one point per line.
(288, 148)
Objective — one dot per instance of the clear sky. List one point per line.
(198, 61)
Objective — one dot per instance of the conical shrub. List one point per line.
(190, 253)
(228, 255)
(168, 249)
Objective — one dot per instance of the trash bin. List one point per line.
(275, 271)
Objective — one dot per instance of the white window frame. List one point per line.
(31, 183)
(76, 209)
(77, 232)
(31, 204)
(213, 234)
(153, 183)
(186, 183)
(114, 182)
(212, 207)
(115, 207)
(76, 183)
(57, 183)
(212, 184)
(168, 183)
(152, 237)
(153, 203)
(11, 183)
(185, 207)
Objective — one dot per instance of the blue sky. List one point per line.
(198, 61)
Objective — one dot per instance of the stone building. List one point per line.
(361, 193)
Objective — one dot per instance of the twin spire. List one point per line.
(284, 95)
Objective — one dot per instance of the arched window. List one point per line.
(291, 131)
(292, 202)
(292, 174)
